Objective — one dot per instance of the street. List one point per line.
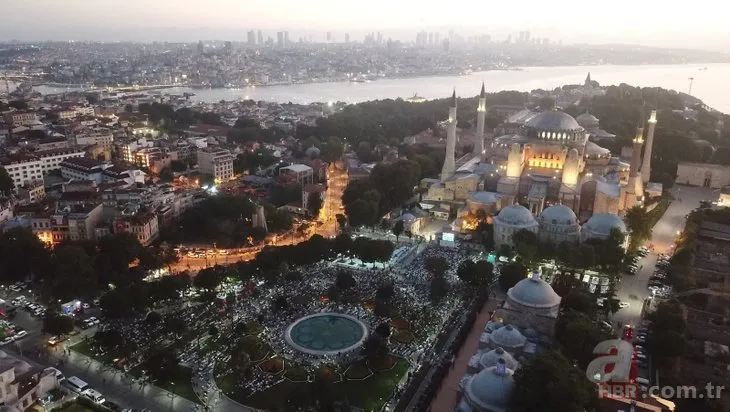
(633, 288)
(325, 225)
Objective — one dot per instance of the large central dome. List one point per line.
(555, 126)
(554, 121)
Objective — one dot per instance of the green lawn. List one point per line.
(182, 385)
(84, 348)
(369, 394)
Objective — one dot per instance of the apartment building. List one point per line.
(302, 174)
(51, 159)
(70, 223)
(81, 168)
(21, 118)
(216, 162)
(143, 225)
(32, 192)
(76, 111)
(22, 384)
(103, 139)
(23, 168)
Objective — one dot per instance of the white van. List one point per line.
(76, 384)
(58, 374)
(94, 396)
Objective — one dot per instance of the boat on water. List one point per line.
(416, 99)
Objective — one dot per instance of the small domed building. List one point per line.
(487, 201)
(511, 220)
(599, 226)
(507, 337)
(488, 391)
(559, 224)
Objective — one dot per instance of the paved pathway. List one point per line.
(445, 399)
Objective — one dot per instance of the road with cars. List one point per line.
(34, 348)
(633, 289)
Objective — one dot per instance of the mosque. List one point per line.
(548, 164)
(525, 322)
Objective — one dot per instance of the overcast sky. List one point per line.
(699, 23)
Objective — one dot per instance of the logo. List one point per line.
(611, 370)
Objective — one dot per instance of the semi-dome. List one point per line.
(559, 215)
(534, 292)
(587, 120)
(494, 356)
(516, 215)
(553, 121)
(491, 388)
(485, 197)
(508, 337)
(600, 225)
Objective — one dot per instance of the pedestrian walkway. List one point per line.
(445, 399)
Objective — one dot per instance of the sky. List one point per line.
(697, 24)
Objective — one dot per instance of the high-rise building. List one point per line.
(201, 47)
(260, 38)
(329, 36)
(436, 38)
(251, 37)
(228, 47)
(280, 38)
(380, 38)
(430, 38)
(286, 38)
(347, 37)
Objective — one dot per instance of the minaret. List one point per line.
(450, 161)
(635, 189)
(636, 153)
(646, 164)
(481, 114)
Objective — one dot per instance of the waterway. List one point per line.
(710, 84)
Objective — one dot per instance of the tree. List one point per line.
(166, 175)
(436, 265)
(21, 242)
(398, 228)
(383, 330)
(666, 341)
(551, 383)
(314, 203)
(6, 183)
(475, 274)
(208, 279)
(639, 224)
(438, 288)
(334, 293)
(163, 366)
(213, 330)
(56, 324)
(376, 350)
(153, 318)
(578, 335)
(385, 291)
(510, 274)
(345, 280)
(526, 245)
(579, 301)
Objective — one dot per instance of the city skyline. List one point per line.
(164, 20)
